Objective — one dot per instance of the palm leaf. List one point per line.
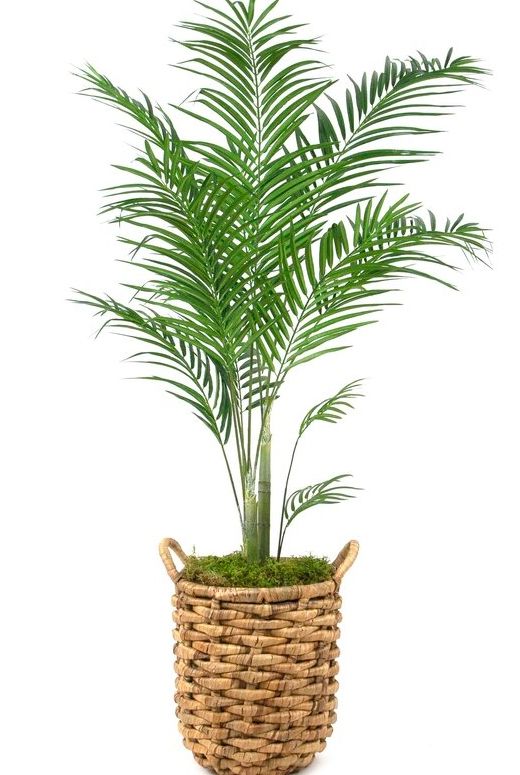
(323, 493)
(332, 409)
(339, 288)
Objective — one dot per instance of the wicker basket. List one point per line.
(256, 670)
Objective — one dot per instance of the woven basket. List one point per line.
(256, 670)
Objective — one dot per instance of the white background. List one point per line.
(97, 468)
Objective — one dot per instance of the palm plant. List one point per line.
(264, 245)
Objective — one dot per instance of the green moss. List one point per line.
(233, 570)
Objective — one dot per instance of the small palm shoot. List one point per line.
(265, 245)
(331, 491)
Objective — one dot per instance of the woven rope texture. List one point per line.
(256, 671)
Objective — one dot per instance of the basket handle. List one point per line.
(344, 560)
(166, 547)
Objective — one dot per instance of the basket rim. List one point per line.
(256, 594)
(265, 595)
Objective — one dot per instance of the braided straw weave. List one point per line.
(256, 670)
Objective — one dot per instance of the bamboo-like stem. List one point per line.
(251, 522)
(280, 376)
(260, 390)
(250, 407)
(238, 430)
(264, 492)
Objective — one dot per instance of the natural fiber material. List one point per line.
(256, 670)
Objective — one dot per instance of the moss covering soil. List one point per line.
(233, 570)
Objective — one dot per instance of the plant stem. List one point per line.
(264, 492)
(236, 402)
(250, 407)
(232, 480)
(284, 501)
(251, 523)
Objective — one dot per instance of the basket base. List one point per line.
(272, 767)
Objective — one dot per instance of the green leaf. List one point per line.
(333, 408)
(321, 494)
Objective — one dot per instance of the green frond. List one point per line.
(332, 409)
(264, 243)
(335, 290)
(321, 494)
(200, 382)
(152, 124)
(415, 89)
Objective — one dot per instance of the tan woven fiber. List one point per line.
(256, 669)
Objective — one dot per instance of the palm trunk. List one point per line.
(264, 493)
(250, 524)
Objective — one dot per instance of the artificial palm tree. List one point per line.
(266, 244)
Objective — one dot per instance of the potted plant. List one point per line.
(258, 249)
